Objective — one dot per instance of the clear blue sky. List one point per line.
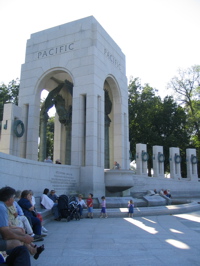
(157, 36)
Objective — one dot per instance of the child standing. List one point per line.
(130, 209)
(90, 206)
(81, 204)
(103, 208)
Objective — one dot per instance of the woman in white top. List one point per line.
(48, 204)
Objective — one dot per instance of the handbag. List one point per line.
(39, 216)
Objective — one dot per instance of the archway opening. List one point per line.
(56, 130)
(112, 110)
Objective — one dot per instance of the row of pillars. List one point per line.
(158, 162)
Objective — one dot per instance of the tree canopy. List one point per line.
(155, 122)
(186, 85)
(8, 94)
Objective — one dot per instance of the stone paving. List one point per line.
(149, 240)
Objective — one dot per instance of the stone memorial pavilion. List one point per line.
(84, 72)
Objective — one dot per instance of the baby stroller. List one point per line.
(68, 207)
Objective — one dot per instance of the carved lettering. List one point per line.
(71, 46)
(112, 59)
(39, 54)
(64, 182)
(51, 51)
(55, 50)
(44, 54)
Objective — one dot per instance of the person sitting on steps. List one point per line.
(29, 212)
(14, 237)
(50, 205)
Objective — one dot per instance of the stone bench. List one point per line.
(187, 206)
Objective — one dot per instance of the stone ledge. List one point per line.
(152, 211)
(138, 211)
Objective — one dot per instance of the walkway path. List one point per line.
(150, 240)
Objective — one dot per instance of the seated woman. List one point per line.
(33, 202)
(49, 204)
(28, 209)
(16, 218)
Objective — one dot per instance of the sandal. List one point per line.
(39, 251)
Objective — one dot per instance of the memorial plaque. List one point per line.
(64, 183)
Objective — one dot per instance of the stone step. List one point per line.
(138, 211)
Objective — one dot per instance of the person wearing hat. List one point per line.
(53, 196)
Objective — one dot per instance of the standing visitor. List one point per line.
(130, 209)
(103, 208)
(90, 206)
(48, 160)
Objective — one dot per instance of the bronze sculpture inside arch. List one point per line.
(108, 109)
(64, 112)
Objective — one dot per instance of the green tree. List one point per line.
(8, 94)
(50, 136)
(155, 122)
(186, 86)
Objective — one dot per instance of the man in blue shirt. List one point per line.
(53, 196)
(13, 236)
(11, 239)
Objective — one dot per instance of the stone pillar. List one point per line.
(32, 131)
(9, 141)
(175, 163)
(68, 144)
(141, 159)
(108, 109)
(107, 146)
(158, 161)
(191, 161)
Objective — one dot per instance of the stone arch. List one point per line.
(92, 62)
(44, 81)
(59, 83)
(112, 120)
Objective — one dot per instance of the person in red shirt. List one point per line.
(90, 206)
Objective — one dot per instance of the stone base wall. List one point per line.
(182, 188)
(139, 184)
(24, 174)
